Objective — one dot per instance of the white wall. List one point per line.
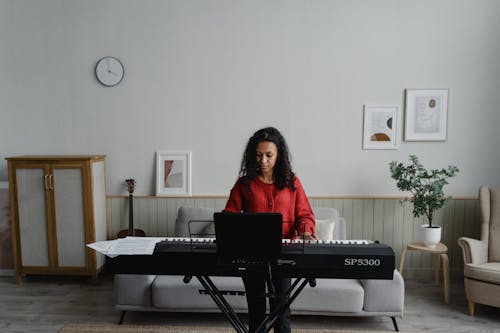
(204, 75)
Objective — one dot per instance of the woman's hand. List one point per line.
(307, 235)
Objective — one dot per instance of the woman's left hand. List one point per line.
(308, 235)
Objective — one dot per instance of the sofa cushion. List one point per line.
(172, 293)
(192, 220)
(208, 231)
(326, 213)
(489, 272)
(331, 295)
(325, 229)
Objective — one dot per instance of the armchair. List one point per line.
(482, 257)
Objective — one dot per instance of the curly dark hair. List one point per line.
(282, 175)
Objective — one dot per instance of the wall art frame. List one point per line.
(380, 127)
(173, 173)
(426, 114)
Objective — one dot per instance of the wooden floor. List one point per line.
(44, 304)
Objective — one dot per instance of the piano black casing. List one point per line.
(345, 261)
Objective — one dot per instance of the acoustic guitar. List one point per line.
(131, 231)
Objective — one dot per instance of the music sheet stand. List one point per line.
(248, 237)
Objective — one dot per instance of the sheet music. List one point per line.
(126, 246)
(103, 247)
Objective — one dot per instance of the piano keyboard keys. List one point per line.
(187, 240)
(208, 240)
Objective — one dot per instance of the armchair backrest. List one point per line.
(489, 200)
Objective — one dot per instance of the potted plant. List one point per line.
(426, 186)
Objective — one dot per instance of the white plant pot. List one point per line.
(430, 236)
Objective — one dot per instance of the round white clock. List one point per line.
(109, 71)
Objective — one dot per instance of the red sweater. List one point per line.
(260, 197)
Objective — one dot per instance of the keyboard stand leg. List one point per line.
(122, 317)
(267, 324)
(395, 324)
(221, 302)
(294, 290)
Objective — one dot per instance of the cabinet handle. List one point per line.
(46, 182)
(51, 182)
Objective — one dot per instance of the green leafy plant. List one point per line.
(426, 186)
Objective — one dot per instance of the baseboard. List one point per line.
(6, 272)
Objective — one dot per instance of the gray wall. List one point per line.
(203, 75)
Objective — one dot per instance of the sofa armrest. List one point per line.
(474, 251)
(133, 289)
(384, 295)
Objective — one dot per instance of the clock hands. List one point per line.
(109, 69)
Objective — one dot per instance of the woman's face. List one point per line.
(266, 154)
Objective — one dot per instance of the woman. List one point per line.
(267, 184)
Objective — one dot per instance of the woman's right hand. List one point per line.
(307, 235)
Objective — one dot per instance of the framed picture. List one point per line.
(380, 127)
(426, 114)
(173, 173)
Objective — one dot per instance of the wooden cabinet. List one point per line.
(58, 205)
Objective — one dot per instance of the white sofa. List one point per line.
(330, 297)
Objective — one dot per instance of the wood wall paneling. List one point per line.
(385, 219)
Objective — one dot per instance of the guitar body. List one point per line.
(136, 233)
(131, 231)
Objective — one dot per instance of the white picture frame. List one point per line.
(380, 127)
(426, 114)
(173, 173)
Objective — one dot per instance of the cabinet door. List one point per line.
(31, 185)
(69, 216)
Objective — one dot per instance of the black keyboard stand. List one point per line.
(221, 302)
(295, 289)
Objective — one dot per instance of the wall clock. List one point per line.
(109, 71)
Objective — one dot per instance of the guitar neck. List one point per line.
(130, 214)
